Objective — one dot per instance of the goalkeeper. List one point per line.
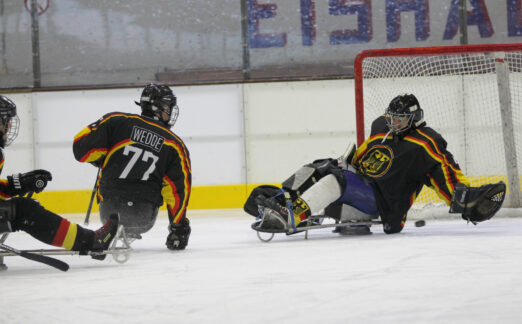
(381, 178)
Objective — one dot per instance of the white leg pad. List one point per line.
(322, 193)
(349, 213)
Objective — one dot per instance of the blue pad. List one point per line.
(358, 194)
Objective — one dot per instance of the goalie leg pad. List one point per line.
(348, 214)
(274, 217)
(322, 194)
(478, 204)
(347, 157)
(311, 173)
(266, 191)
(302, 179)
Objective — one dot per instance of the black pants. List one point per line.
(25, 214)
(137, 217)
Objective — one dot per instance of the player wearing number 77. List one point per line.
(143, 163)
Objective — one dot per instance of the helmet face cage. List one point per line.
(12, 125)
(174, 112)
(391, 121)
(403, 107)
(9, 121)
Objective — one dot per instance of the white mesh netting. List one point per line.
(460, 98)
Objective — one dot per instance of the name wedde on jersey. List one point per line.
(148, 138)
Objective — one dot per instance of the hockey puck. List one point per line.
(420, 223)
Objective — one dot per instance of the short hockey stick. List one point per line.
(88, 215)
(120, 249)
(60, 265)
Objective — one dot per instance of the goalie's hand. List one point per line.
(178, 235)
(478, 204)
(23, 183)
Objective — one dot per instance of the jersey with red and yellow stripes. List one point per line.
(399, 166)
(139, 159)
(6, 191)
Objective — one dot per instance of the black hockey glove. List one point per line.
(478, 204)
(178, 235)
(23, 183)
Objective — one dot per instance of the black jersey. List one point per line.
(140, 160)
(399, 166)
(6, 191)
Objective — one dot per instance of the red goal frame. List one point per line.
(426, 51)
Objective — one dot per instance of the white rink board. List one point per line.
(290, 124)
(210, 123)
(240, 133)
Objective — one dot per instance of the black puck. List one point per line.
(420, 223)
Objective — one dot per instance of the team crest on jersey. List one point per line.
(148, 138)
(377, 161)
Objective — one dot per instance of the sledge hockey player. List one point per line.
(381, 178)
(18, 213)
(142, 164)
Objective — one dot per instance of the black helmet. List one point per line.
(156, 98)
(9, 121)
(404, 106)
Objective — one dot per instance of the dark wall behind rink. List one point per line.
(98, 43)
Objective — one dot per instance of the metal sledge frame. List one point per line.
(313, 222)
(310, 220)
(2, 264)
(120, 249)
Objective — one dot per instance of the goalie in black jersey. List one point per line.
(18, 213)
(381, 178)
(143, 163)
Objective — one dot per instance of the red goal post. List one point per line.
(471, 94)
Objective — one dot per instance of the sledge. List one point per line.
(119, 249)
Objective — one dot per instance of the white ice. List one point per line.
(445, 272)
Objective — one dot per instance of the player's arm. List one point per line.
(177, 184)
(176, 192)
(475, 204)
(445, 173)
(91, 143)
(21, 183)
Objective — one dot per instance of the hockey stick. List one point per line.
(120, 249)
(88, 215)
(60, 265)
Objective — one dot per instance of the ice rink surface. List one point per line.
(445, 272)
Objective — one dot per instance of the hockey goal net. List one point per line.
(471, 94)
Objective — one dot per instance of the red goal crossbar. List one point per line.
(414, 51)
